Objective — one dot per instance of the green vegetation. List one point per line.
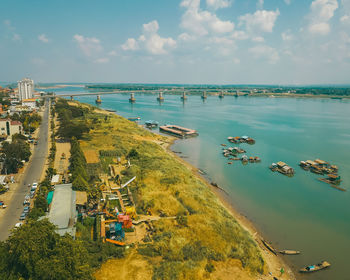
(70, 123)
(35, 251)
(78, 166)
(14, 153)
(30, 121)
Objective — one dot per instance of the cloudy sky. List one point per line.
(176, 41)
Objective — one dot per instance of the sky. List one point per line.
(287, 42)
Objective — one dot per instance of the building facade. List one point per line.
(9, 128)
(25, 89)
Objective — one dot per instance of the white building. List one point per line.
(31, 103)
(25, 89)
(9, 127)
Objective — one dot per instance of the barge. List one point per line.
(178, 131)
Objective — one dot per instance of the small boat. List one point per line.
(151, 123)
(257, 159)
(290, 252)
(201, 171)
(135, 119)
(110, 110)
(224, 145)
(230, 162)
(315, 267)
(268, 246)
(214, 184)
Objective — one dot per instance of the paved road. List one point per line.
(32, 174)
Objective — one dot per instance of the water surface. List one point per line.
(298, 213)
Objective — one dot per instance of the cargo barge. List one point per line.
(178, 131)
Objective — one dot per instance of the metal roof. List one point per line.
(62, 211)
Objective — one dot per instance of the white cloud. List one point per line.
(218, 4)
(202, 22)
(258, 39)
(43, 38)
(345, 19)
(130, 45)
(90, 46)
(266, 52)
(150, 40)
(287, 36)
(287, 2)
(239, 35)
(321, 12)
(261, 20)
(185, 37)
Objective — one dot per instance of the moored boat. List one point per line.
(268, 246)
(290, 252)
(315, 267)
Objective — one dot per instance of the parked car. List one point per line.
(35, 185)
(23, 216)
(26, 209)
(18, 224)
(26, 202)
(32, 193)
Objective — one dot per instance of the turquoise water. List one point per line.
(298, 213)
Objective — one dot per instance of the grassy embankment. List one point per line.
(203, 237)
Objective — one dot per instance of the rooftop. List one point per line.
(62, 211)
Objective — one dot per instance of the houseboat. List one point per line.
(241, 139)
(282, 168)
(315, 267)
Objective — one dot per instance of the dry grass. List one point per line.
(166, 187)
(91, 156)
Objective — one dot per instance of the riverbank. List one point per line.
(207, 240)
(274, 263)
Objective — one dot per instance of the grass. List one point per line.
(203, 232)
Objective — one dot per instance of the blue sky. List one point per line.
(176, 41)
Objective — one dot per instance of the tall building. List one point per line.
(25, 89)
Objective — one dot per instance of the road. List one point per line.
(32, 174)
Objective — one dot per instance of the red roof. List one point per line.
(16, 123)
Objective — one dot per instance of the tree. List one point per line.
(14, 153)
(36, 251)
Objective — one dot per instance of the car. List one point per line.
(32, 193)
(23, 216)
(27, 197)
(18, 224)
(26, 202)
(26, 209)
(35, 185)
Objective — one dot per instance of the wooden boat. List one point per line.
(230, 162)
(201, 171)
(268, 246)
(315, 267)
(224, 145)
(290, 252)
(257, 159)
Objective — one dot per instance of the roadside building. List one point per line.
(62, 209)
(31, 103)
(9, 127)
(25, 89)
